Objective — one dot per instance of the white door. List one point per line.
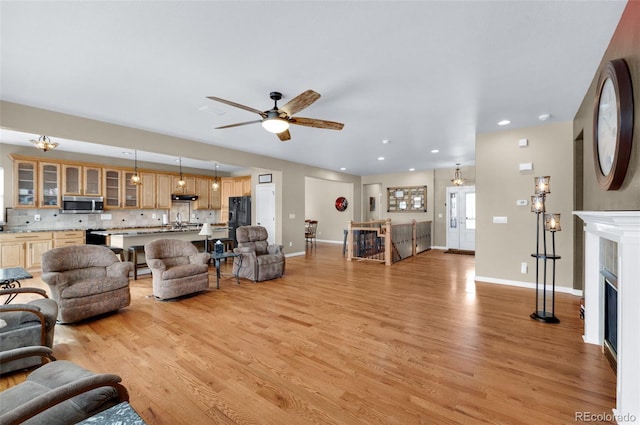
(461, 218)
(266, 209)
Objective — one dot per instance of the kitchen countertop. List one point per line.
(124, 231)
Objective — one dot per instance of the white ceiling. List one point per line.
(423, 74)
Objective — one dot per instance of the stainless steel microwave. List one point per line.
(82, 204)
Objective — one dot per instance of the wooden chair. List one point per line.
(310, 228)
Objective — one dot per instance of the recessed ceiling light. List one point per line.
(126, 153)
(412, 169)
(342, 168)
(544, 117)
(386, 141)
(381, 158)
(504, 122)
(435, 150)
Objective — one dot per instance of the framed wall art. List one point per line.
(407, 199)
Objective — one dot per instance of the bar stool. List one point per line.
(118, 251)
(134, 250)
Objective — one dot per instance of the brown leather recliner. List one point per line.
(257, 259)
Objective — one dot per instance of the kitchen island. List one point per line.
(124, 238)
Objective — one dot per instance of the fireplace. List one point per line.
(610, 343)
(612, 289)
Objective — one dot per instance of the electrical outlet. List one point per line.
(154, 216)
(290, 243)
(523, 268)
(36, 217)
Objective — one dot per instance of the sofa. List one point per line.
(86, 281)
(177, 268)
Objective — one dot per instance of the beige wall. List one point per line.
(320, 200)
(501, 248)
(289, 177)
(624, 44)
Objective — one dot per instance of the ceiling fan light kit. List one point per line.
(277, 120)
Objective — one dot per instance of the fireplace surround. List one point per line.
(623, 228)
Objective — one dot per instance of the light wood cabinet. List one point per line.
(78, 180)
(26, 183)
(71, 179)
(189, 189)
(11, 254)
(119, 191)
(66, 238)
(92, 181)
(49, 186)
(246, 186)
(24, 249)
(163, 190)
(112, 188)
(207, 197)
(148, 190)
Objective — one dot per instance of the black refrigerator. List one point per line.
(239, 214)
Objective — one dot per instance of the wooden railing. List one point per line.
(383, 242)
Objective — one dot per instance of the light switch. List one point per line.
(292, 216)
(499, 220)
(526, 166)
(522, 202)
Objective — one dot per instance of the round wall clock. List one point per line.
(613, 124)
(341, 203)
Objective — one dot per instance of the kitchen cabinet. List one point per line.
(92, 181)
(189, 189)
(119, 191)
(49, 186)
(78, 180)
(148, 190)
(25, 174)
(207, 197)
(163, 190)
(24, 249)
(66, 238)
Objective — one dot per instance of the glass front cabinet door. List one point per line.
(26, 183)
(49, 185)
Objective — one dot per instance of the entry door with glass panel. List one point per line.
(461, 218)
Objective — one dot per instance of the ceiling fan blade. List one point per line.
(312, 122)
(237, 105)
(238, 124)
(300, 102)
(284, 136)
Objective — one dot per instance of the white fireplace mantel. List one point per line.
(622, 227)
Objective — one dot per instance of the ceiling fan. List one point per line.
(277, 120)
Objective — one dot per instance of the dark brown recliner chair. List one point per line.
(25, 324)
(57, 393)
(257, 259)
(85, 281)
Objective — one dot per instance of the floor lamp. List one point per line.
(545, 222)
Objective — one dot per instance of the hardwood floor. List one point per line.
(337, 342)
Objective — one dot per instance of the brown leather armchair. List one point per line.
(257, 259)
(85, 281)
(177, 268)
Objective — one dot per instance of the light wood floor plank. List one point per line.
(338, 342)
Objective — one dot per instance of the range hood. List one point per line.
(180, 197)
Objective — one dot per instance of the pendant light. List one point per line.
(181, 183)
(215, 185)
(457, 177)
(44, 143)
(135, 178)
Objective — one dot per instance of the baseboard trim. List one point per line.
(528, 285)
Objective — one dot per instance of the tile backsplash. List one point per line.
(52, 219)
